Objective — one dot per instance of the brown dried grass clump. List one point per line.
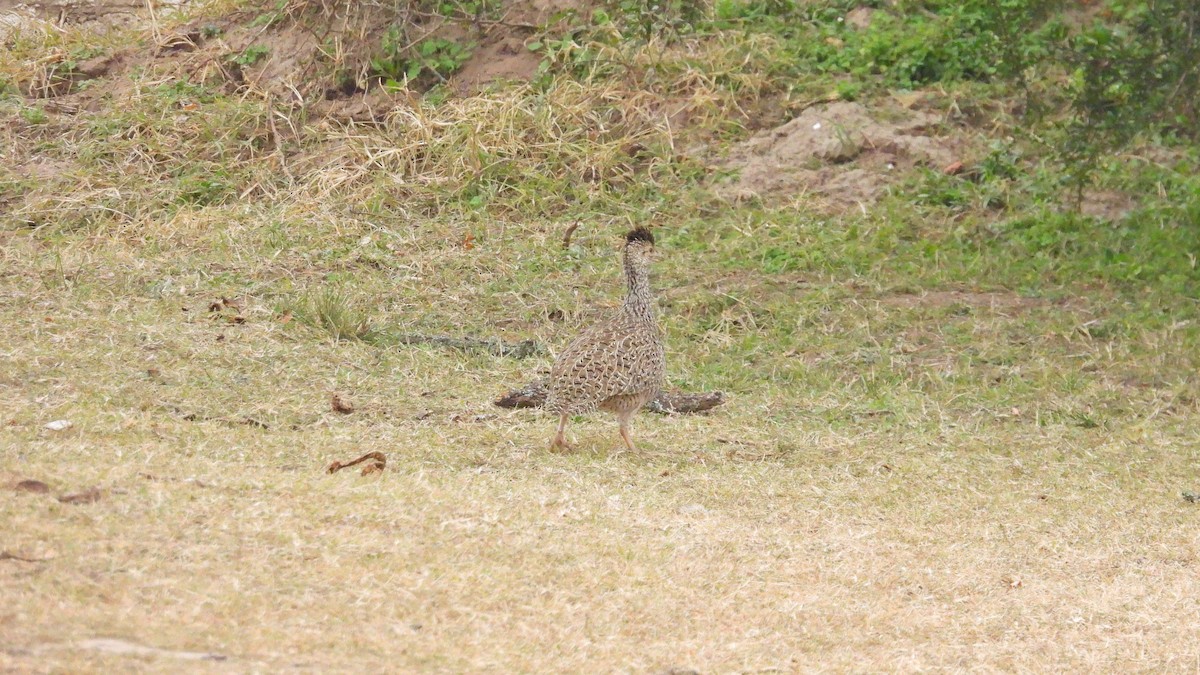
(542, 152)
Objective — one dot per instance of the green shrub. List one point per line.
(250, 55)
(423, 65)
(1133, 74)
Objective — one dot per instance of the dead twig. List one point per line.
(170, 479)
(5, 555)
(677, 402)
(380, 461)
(567, 235)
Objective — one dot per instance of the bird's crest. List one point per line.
(640, 234)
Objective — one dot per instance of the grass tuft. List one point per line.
(333, 311)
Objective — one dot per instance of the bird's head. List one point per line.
(639, 244)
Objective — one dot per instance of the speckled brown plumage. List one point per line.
(616, 365)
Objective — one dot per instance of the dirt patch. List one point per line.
(15, 17)
(860, 17)
(839, 152)
(506, 58)
(537, 12)
(1107, 205)
(306, 53)
(98, 15)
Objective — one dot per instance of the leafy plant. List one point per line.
(204, 188)
(182, 90)
(733, 11)
(269, 18)
(251, 55)
(569, 53)
(428, 62)
(645, 19)
(1129, 76)
(458, 9)
(848, 90)
(34, 115)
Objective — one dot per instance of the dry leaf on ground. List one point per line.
(377, 465)
(340, 405)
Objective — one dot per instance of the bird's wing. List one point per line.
(609, 360)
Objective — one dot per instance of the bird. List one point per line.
(617, 365)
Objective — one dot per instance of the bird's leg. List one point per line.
(624, 419)
(560, 439)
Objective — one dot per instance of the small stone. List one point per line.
(58, 425)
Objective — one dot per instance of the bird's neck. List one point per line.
(638, 301)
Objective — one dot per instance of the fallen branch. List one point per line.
(677, 402)
(88, 496)
(517, 350)
(5, 555)
(533, 395)
(380, 461)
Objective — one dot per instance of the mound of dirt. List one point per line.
(98, 15)
(304, 52)
(838, 152)
(503, 58)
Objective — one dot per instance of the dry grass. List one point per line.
(927, 462)
(794, 529)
